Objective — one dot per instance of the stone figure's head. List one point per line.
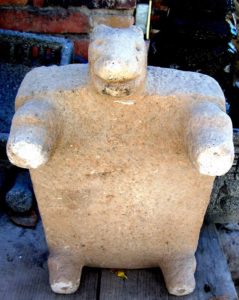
(118, 60)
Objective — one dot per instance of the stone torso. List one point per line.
(121, 168)
(122, 159)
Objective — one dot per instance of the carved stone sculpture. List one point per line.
(122, 159)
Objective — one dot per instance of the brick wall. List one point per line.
(71, 18)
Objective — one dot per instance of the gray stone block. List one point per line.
(224, 204)
(20, 197)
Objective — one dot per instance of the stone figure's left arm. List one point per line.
(34, 132)
(209, 139)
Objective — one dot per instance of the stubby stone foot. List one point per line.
(179, 275)
(65, 274)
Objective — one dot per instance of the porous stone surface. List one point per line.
(224, 205)
(20, 197)
(122, 159)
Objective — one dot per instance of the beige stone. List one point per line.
(120, 157)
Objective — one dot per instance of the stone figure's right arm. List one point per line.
(34, 132)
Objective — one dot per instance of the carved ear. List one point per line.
(99, 30)
(137, 30)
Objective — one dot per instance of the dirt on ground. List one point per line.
(229, 239)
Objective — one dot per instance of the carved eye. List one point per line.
(138, 48)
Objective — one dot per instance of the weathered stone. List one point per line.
(28, 219)
(120, 158)
(20, 197)
(224, 204)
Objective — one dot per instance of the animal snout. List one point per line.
(115, 70)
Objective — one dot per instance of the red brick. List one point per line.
(44, 20)
(13, 2)
(35, 51)
(38, 3)
(81, 46)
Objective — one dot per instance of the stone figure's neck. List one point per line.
(117, 91)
